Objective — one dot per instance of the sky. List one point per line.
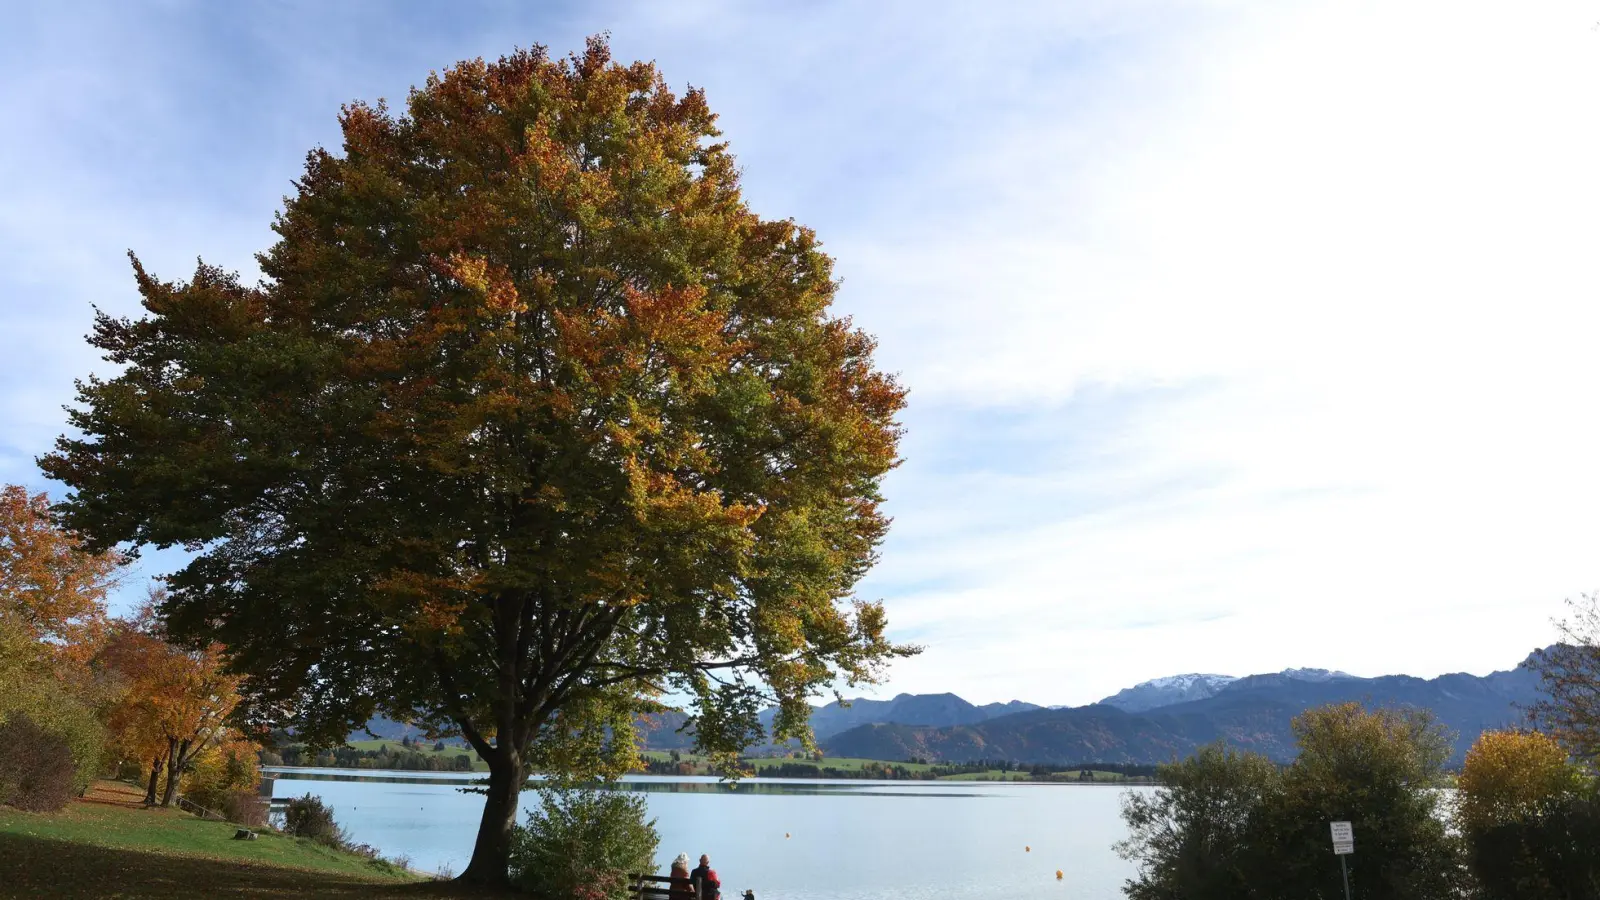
(1239, 335)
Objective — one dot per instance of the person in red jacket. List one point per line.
(706, 877)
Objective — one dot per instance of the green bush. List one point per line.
(219, 772)
(36, 767)
(582, 843)
(1202, 836)
(310, 818)
(59, 712)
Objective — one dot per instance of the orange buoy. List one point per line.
(1058, 874)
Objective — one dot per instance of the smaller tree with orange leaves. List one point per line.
(51, 589)
(177, 703)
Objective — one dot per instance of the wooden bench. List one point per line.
(649, 887)
(654, 887)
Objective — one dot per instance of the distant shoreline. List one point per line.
(404, 776)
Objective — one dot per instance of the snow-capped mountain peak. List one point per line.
(1168, 690)
(1148, 695)
(1316, 675)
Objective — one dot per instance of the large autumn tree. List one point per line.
(531, 421)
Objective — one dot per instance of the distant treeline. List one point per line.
(909, 770)
(1041, 770)
(382, 758)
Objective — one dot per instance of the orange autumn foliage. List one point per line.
(176, 702)
(52, 589)
(1508, 775)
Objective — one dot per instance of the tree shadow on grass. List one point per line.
(44, 867)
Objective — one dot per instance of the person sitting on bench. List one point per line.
(706, 879)
(681, 888)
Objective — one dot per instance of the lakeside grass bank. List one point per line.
(107, 845)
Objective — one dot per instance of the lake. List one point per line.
(846, 840)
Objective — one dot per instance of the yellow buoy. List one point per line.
(1058, 874)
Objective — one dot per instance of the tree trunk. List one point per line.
(155, 779)
(492, 852)
(175, 763)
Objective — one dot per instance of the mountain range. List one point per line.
(1251, 713)
(1151, 722)
(1181, 688)
(661, 732)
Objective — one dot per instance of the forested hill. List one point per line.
(1251, 713)
(661, 732)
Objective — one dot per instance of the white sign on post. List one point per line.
(1344, 838)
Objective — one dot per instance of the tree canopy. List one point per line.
(1507, 775)
(1529, 819)
(531, 420)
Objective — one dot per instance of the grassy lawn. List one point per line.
(107, 845)
(845, 763)
(449, 753)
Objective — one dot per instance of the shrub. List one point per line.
(36, 767)
(50, 706)
(1203, 834)
(220, 771)
(310, 818)
(245, 808)
(582, 842)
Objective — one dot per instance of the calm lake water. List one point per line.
(847, 840)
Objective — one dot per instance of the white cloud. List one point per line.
(1366, 230)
